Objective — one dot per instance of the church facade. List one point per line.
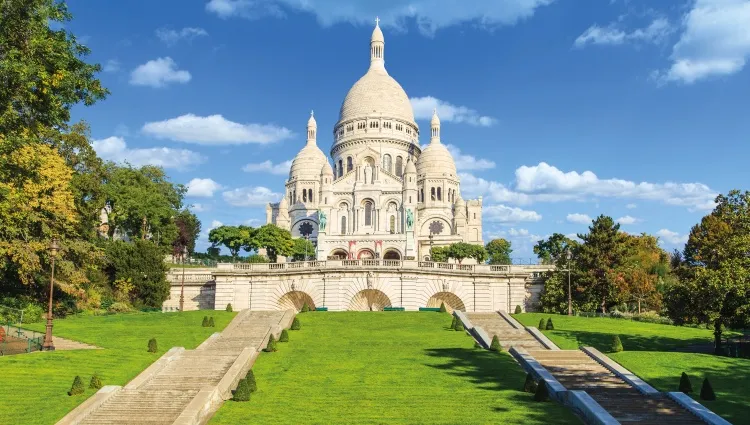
(382, 195)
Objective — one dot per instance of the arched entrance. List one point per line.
(294, 300)
(369, 300)
(391, 254)
(339, 254)
(451, 301)
(365, 254)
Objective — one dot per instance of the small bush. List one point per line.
(211, 323)
(296, 324)
(685, 385)
(707, 392)
(616, 344)
(550, 326)
(242, 393)
(152, 347)
(229, 308)
(459, 326)
(542, 324)
(529, 386)
(271, 346)
(119, 307)
(541, 393)
(442, 308)
(250, 378)
(518, 310)
(305, 308)
(77, 387)
(453, 322)
(95, 382)
(495, 345)
(284, 337)
(205, 322)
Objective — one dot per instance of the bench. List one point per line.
(393, 309)
(321, 308)
(429, 309)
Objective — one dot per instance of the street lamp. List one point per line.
(569, 256)
(307, 239)
(431, 259)
(53, 248)
(182, 287)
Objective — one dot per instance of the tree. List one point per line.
(274, 239)
(495, 345)
(554, 248)
(542, 392)
(152, 346)
(707, 391)
(232, 238)
(303, 249)
(685, 385)
(188, 230)
(242, 393)
(296, 325)
(463, 250)
(439, 254)
(77, 388)
(499, 251)
(271, 346)
(250, 378)
(143, 263)
(284, 337)
(616, 344)
(95, 382)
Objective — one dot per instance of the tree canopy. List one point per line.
(499, 251)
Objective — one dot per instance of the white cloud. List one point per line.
(518, 232)
(631, 206)
(199, 207)
(472, 186)
(578, 218)
(671, 237)
(215, 224)
(627, 220)
(115, 149)
(158, 73)
(202, 188)
(424, 107)
(171, 37)
(613, 34)
(112, 65)
(215, 130)
(715, 41)
(505, 214)
(279, 169)
(468, 162)
(251, 196)
(430, 15)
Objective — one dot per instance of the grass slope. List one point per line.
(649, 353)
(33, 387)
(387, 367)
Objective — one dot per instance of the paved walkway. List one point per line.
(60, 343)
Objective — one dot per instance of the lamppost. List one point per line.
(307, 239)
(53, 248)
(569, 256)
(431, 259)
(182, 287)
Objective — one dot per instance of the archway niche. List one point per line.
(339, 254)
(451, 301)
(365, 254)
(369, 300)
(391, 254)
(294, 300)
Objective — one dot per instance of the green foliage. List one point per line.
(205, 322)
(229, 308)
(250, 379)
(305, 308)
(296, 325)
(77, 388)
(303, 249)
(685, 385)
(96, 382)
(529, 385)
(463, 250)
(188, 230)
(439, 254)
(275, 240)
(231, 237)
(495, 345)
(707, 392)
(453, 322)
(141, 262)
(518, 310)
(499, 251)
(442, 308)
(542, 324)
(284, 337)
(549, 326)
(211, 323)
(242, 393)
(152, 347)
(271, 346)
(542, 392)
(459, 326)
(616, 344)
(553, 249)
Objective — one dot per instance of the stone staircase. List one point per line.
(164, 391)
(509, 336)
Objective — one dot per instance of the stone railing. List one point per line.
(534, 270)
(190, 277)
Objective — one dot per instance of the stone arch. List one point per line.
(294, 300)
(365, 254)
(369, 300)
(443, 289)
(391, 254)
(341, 253)
(451, 301)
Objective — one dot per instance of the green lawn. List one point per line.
(33, 386)
(387, 367)
(649, 353)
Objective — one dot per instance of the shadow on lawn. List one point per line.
(603, 341)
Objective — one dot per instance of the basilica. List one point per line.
(383, 196)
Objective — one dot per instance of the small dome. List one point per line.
(436, 161)
(376, 93)
(377, 34)
(410, 168)
(311, 122)
(435, 121)
(308, 163)
(326, 170)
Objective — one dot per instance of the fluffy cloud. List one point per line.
(505, 214)
(424, 107)
(279, 169)
(171, 37)
(251, 196)
(215, 130)
(578, 218)
(158, 73)
(115, 149)
(199, 207)
(112, 65)
(468, 162)
(614, 35)
(202, 188)
(715, 41)
(671, 237)
(627, 220)
(472, 186)
(430, 15)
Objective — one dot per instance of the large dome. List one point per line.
(376, 93)
(308, 163)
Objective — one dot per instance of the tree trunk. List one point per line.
(639, 306)
(717, 338)
(604, 305)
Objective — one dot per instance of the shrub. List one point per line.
(229, 308)
(529, 386)
(542, 324)
(616, 344)
(77, 387)
(459, 326)
(95, 383)
(442, 308)
(707, 392)
(518, 310)
(2, 334)
(271, 346)
(205, 322)
(453, 322)
(495, 345)
(119, 307)
(305, 308)
(211, 323)
(296, 324)
(152, 347)
(550, 326)
(242, 393)
(284, 337)
(250, 379)
(685, 385)
(542, 393)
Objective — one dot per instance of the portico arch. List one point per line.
(369, 300)
(391, 254)
(295, 300)
(365, 254)
(339, 254)
(451, 301)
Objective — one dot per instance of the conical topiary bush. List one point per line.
(453, 322)
(229, 308)
(77, 388)
(518, 310)
(305, 308)
(459, 326)
(685, 385)
(495, 345)
(542, 324)
(211, 323)
(96, 382)
(541, 393)
(242, 393)
(550, 326)
(442, 308)
(205, 322)
(529, 386)
(707, 391)
(271, 346)
(284, 337)
(296, 324)
(152, 346)
(250, 378)
(616, 344)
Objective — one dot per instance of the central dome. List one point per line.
(376, 93)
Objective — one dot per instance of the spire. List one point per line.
(312, 129)
(435, 127)
(377, 48)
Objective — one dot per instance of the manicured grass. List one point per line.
(649, 353)
(33, 387)
(387, 367)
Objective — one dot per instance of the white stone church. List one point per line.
(384, 197)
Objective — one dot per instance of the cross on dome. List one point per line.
(377, 21)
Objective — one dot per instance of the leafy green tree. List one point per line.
(439, 254)
(274, 239)
(554, 248)
(499, 251)
(303, 249)
(188, 230)
(463, 250)
(232, 238)
(143, 263)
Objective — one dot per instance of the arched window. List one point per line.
(439, 197)
(368, 213)
(295, 196)
(304, 195)
(432, 194)
(387, 163)
(422, 191)
(349, 164)
(343, 225)
(393, 224)
(399, 166)
(310, 195)
(341, 168)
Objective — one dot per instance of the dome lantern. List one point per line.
(312, 128)
(377, 47)
(435, 127)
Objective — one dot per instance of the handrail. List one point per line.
(535, 270)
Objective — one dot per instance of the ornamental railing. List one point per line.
(536, 270)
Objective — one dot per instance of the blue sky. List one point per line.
(556, 110)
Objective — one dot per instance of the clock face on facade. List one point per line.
(436, 227)
(305, 229)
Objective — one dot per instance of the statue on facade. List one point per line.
(322, 220)
(370, 275)
(409, 219)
